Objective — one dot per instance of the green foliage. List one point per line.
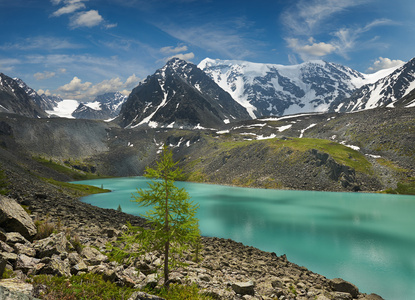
(119, 208)
(172, 214)
(86, 286)
(77, 190)
(76, 171)
(44, 228)
(181, 292)
(403, 188)
(8, 273)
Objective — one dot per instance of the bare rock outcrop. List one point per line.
(13, 218)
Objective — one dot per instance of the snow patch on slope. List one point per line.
(64, 109)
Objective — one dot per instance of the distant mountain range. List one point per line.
(217, 92)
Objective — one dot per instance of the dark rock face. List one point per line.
(14, 99)
(13, 218)
(180, 95)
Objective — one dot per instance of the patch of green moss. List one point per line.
(86, 286)
(404, 188)
(77, 190)
(81, 172)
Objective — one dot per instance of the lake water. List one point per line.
(367, 239)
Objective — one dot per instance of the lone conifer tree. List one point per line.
(172, 216)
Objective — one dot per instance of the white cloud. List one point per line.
(384, 63)
(312, 50)
(41, 92)
(40, 42)
(44, 75)
(71, 6)
(219, 38)
(75, 86)
(306, 17)
(171, 49)
(87, 91)
(350, 39)
(184, 56)
(89, 18)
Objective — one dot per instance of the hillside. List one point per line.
(371, 150)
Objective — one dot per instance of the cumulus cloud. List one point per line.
(89, 18)
(184, 56)
(384, 63)
(44, 75)
(70, 7)
(86, 91)
(84, 18)
(171, 49)
(311, 50)
(75, 86)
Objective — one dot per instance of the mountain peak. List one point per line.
(180, 95)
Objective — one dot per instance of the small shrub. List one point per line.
(86, 286)
(44, 229)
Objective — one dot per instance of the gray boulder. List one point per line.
(13, 218)
(93, 256)
(54, 244)
(26, 263)
(341, 285)
(144, 296)
(244, 288)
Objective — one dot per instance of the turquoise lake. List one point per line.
(367, 239)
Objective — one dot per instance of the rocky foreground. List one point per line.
(228, 270)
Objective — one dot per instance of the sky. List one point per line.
(79, 49)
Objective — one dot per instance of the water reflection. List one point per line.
(364, 238)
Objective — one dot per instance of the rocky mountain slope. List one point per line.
(179, 95)
(389, 91)
(366, 151)
(15, 98)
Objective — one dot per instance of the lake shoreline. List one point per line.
(226, 262)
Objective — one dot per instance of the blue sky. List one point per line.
(81, 48)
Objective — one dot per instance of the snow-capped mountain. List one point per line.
(43, 101)
(104, 107)
(392, 90)
(16, 97)
(269, 89)
(180, 95)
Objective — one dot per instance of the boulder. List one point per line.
(5, 248)
(15, 237)
(26, 263)
(93, 256)
(143, 296)
(55, 266)
(244, 288)
(54, 244)
(340, 285)
(14, 288)
(26, 249)
(13, 218)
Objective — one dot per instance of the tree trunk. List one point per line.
(167, 244)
